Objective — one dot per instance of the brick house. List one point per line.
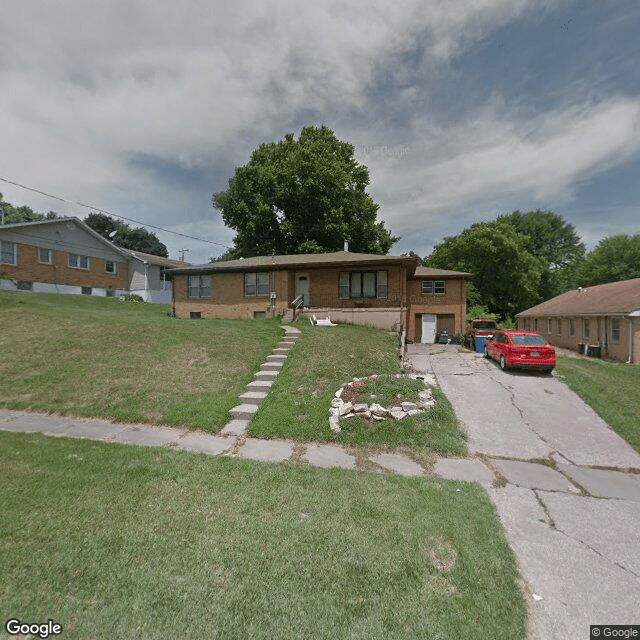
(64, 255)
(389, 292)
(605, 317)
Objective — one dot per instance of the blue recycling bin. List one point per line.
(480, 340)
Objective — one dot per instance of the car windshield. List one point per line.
(528, 340)
(485, 325)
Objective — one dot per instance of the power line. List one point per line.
(99, 210)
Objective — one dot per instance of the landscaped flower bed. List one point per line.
(379, 397)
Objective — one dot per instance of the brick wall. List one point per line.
(29, 269)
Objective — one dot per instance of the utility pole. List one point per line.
(182, 252)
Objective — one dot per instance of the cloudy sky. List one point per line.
(461, 109)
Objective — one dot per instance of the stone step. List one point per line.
(266, 375)
(276, 358)
(271, 366)
(260, 385)
(243, 411)
(252, 397)
(280, 352)
(235, 427)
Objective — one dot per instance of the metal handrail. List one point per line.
(297, 304)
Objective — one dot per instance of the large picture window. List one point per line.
(256, 284)
(363, 284)
(199, 286)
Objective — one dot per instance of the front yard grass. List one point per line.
(322, 360)
(90, 356)
(611, 389)
(118, 541)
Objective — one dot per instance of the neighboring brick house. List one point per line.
(605, 317)
(389, 292)
(64, 255)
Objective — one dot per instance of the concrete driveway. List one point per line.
(566, 488)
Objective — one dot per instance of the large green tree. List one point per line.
(122, 235)
(506, 275)
(614, 258)
(13, 215)
(302, 196)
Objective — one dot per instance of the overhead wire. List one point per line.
(115, 215)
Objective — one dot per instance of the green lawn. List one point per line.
(612, 389)
(117, 541)
(322, 360)
(90, 356)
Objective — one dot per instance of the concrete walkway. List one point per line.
(567, 490)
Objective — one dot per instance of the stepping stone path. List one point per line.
(258, 389)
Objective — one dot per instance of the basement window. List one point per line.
(22, 285)
(87, 291)
(195, 315)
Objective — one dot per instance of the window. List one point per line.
(22, 285)
(615, 330)
(585, 329)
(363, 284)
(572, 327)
(110, 293)
(439, 287)
(559, 326)
(86, 291)
(8, 252)
(199, 286)
(110, 267)
(44, 256)
(78, 262)
(195, 315)
(535, 324)
(256, 284)
(549, 326)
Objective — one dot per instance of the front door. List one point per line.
(428, 328)
(302, 287)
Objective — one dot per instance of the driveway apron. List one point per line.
(574, 526)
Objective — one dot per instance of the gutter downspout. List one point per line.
(146, 280)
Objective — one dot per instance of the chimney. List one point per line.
(346, 246)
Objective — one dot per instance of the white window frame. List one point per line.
(49, 254)
(8, 252)
(75, 261)
(199, 287)
(615, 332)
(549, 326)
(434, 287)
(256, 284)
(114, 271)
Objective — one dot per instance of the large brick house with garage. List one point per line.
(604, 319)
(389, 292)
(64, 255)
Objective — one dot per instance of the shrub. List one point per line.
(132, 297)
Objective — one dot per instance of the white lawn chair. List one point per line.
(324, 323)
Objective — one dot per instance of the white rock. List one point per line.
(334, 411)
(336, 402)
(398, 415)
(338, 393)
(425, 394)
(348, 415)
(345, 408)
(334, 425)
(366, 414)
(409, 406)
(413, 412)
(378, 410)
(375, 417)
(360, 408)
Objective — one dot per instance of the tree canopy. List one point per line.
(122, 235)
(302, 196)
(517, 260)
(14, 215)
(614, 258)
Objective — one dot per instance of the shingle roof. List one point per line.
(148, 257)
(613, 298)
(297, 260)
(428, 272)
